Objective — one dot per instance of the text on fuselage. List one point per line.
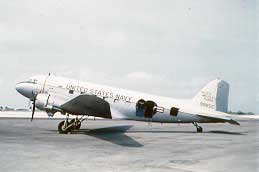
(99, 93)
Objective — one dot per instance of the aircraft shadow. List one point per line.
(226, 132)
(167, 131)
(115, 135)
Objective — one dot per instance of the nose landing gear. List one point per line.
(199, 128)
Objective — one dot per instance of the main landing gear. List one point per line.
(65, 127)
(199, 128)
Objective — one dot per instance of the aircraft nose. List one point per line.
(24, 89)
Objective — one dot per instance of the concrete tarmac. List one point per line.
(128, 146)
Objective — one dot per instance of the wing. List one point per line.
(88, 105)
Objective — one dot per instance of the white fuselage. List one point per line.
(122, 102)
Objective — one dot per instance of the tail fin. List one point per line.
(214, 96)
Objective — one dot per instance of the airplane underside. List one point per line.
(67, 126)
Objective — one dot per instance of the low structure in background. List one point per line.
(241, 113)
(6, 108)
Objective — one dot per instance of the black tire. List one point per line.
(72, 122)
(199, 129)
(77, 125)
(60, 128)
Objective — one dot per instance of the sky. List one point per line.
(169, 48)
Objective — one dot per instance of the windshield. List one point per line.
(31, 81)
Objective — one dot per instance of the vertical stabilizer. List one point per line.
(214, 96)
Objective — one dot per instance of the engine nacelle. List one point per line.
(48, 103)
(42, 101)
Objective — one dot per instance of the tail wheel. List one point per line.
(199, 129)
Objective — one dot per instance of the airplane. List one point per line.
(79, 99)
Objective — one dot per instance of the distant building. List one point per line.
(8, 109)
(241, 113)
(22, 110)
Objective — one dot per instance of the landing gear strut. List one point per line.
(65, 127)
(199, 128)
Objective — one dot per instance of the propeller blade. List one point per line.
(33, 109)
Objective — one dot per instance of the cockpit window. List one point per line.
(32, 81)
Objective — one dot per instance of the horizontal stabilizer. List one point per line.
(217, 117)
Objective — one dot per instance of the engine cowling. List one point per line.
(48, 102)
(42, 100)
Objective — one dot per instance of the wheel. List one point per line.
(199, 129)
(73, 121)
(77, 124)
(61, 128)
